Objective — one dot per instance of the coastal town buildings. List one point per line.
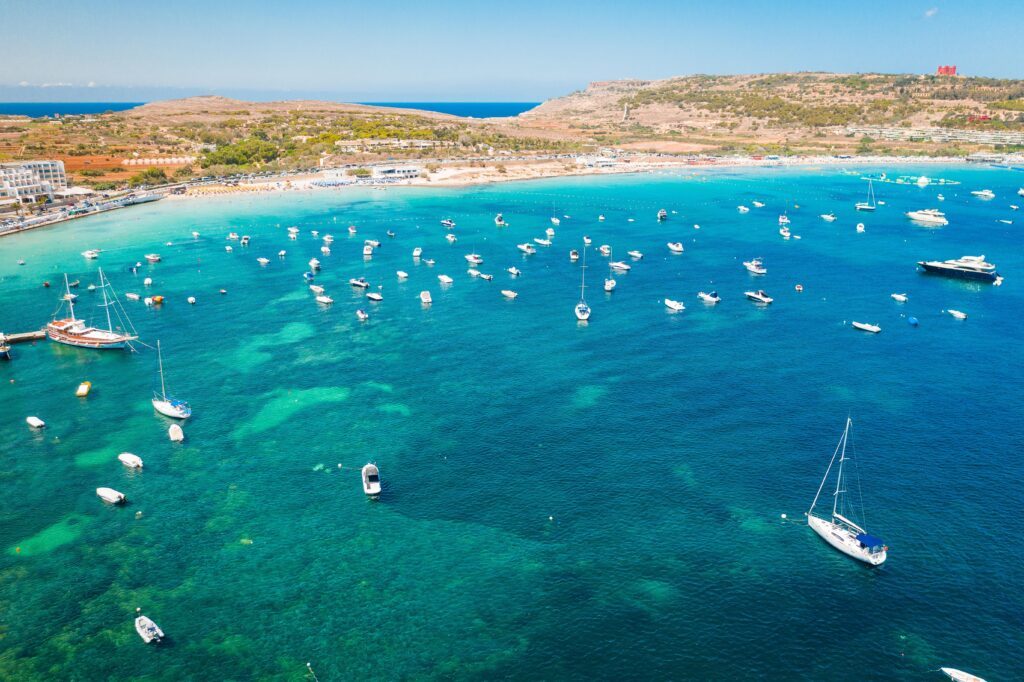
(26, 181)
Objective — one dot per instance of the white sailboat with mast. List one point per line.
(72, 331)
(582, 310)
(870, 204)
(169, 407)
(838, 530)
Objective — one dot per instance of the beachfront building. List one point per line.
(395, 172)
(26, 181)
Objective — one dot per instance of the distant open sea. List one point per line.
(475, 109)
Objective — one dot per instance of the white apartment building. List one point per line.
(25, 181)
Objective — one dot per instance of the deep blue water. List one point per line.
(474, 109)
(561, 501)
(36, 109)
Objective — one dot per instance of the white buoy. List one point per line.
(783, 516)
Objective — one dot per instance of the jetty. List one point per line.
(12, 339)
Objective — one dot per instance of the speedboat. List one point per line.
(473, 272)
(662, 215)
(315, 233)
(429, 261)
(901, 298)
(759, 296)
(132, 296)
(635, 254)
(402, 274)
(262, 261)
(828, 217)
(784, 219)
(743, 209)
(984, 194)
(605, 250)
(448, 222)
(292, 236)
(609, 284)
(865, 327)
(574, 256)
(362, 315)
(620, 266)
(711, 298)
(314, 264)
(308, 276)
(233, 236)
(965, 267)
(153, 257)
(542, 242)
(1020, 192)
(445, 279)
(293, 230)
(351, 229)
(148, 630)
(244, 241)
(514, 271)
(367, 250)
(195, 235)
(91, 254)
(508, 293)
(957, 314)
(550, 232)
(675, 247)
(328, 238)
(860, 227)
(587, 241)
(757, 204)
(374, 296)
(325, 299)
(930, 216)
(755, 267)
(473, 258)
(499, 220)
(960, 675)
(451, 238)
(325, 250)
(316, 289)
(674, 306)
(940, 197)
(486, 276)
(526, 248)
(601, 218)
(359, 282)
(417, 252)
(110, 495)
(282, 253)
(784, 231)
(129, 460)
(228, 248)
(425, 297)
(371, 242)
(371, 480)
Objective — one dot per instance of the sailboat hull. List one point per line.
(845, 541)
(169, 409)
(87, 337)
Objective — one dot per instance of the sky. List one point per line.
(461, 50)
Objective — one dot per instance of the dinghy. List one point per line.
(865, 327)
(324, 299)
(425, 298)
(129, 460)
(508, 293)
(901, 298)
(35, 422)
(148, 630)
(110, 496)
(362, 315)
(175, 433)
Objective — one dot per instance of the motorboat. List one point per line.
(325, 250)
(293, 230)
(828, 217)
(743, 209)
(508, 293)
(957, 314)
(757, 204)
(448, 222)
(129, 460)
(674, 306)
(316, 289)
(711, 298)
(153, 257)
(148, 630)
(402, 274)
(451, 238)
(600, 218)
(620, 266)
(314, 264)
(146, 282)
(228, 249)
(35, 422)
(587, 241)
(390, 234)
(838, 530)
(132, 296)
(262, 261)
(755, 267)
(91, 254)
(417, 252)
(175, 433)
(1020, 192)
(371, 242)
(371, 480)
(574, 256)
(860, 227)
(367, 250)
(425, 298)
(499, 220)
(929, 216)
(292, 236)
(282, 253)
(610, 284)
(605, 250)
(486, 276)
(428, 261)
(550, 232)
(308, 276)
(555, 221)
(233, 236)
(940, 197)
(514, 271)
(900, 298)
(473, 272)
(110, 496)
(359, 282)
(375, 296)
(195, 235)
(759, 296)
(351, 229)
(542, 241)
(784, 219)
(324, 299)
(984, 194)
(473, 258)
(675, 247)
(445, 279)
(169, 407)
(244, 241)
(362, 315)
(526, 248)
(328, 239)
(662, 215)
(865, 327)
(960, 675)
(965, 267)
(635, 254)
(784, 231)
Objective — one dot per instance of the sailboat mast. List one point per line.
(824, 478)
(67, 290)
(106, 304)
(583, 272)
(839, 478)
(160, 362)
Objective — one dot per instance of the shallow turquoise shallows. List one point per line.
(560, 501)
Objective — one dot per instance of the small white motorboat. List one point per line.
(148, 300)
(316, 289)
(542, 241)
(574, 256)
(262, 261)
(315, 233)
(759, 296)
(828, 217)
(784, 231)
(362, 315)
(587, 241)
(359, 282)
(91, 254)
(758, 204)
(328, 238)
(860, 227)
(129, 460)
(314, 264)
(448, 222)
(674, 306)
(550, 232)
(228, 249)
(865, 327)
(620, 266)
(195, 235)
(635, 254)
(110, 495)
(499, 220)
(743, 209)
(445, 279)
(474, 258)
(675, 247)
(325, 250)
(147, 282)
(901, 298)
(367, 250)
(984, 194)
(486, 276)
(451, 238)
(374, 296)
(784, 219)
(245, 240)
(417, 252)
(175, 433)
(402, 274)
(425, 298)
(555, 221)
(940, 197)
(508, 293)
(233, 236)
(191, 300)
(605, 250)
(371, 480)
(35, 422)
(132, 296)
(293, 236)
(601, 218)
(325, 299)
(293, 230)
(960, 675)
(351, 229)
(514, 271)
(755, 267)
(153, 257)
(428, 261)
(526, 248)
(281, 253)
(711, 298)
(957, 314)
(371, 242)
(148, 630)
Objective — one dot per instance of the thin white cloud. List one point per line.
(57, 85)
(24, 84)
(929, 13)
(92, 84)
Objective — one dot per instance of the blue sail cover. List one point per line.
(870, 541)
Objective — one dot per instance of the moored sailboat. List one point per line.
(72, 331)
(169, 407)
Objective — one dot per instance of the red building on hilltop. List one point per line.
(946, 71)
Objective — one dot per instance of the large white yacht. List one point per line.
(930, 216)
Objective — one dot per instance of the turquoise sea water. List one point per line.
(561, 501)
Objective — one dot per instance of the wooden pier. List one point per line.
(11, 339)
